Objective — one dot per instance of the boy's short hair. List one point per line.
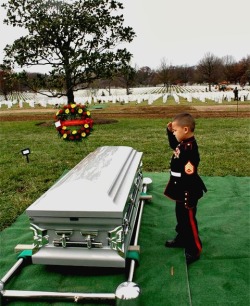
(185, 119)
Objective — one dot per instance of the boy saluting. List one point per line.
(185, 186)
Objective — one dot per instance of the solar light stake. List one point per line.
(26, 152)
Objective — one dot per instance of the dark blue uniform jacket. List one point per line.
(185, 184)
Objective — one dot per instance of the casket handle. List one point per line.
(64, 236)
(89, 238)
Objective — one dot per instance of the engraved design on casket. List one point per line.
(116, 240)
(40, 236)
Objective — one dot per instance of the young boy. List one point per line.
(185, 185)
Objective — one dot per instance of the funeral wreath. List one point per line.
(73, 122)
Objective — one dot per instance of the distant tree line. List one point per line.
(78, 41)
(210, 70)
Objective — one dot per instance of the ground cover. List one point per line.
(219, 278)
(223, 143)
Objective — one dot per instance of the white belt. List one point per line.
(176, 174)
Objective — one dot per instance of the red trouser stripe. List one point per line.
(194, 230)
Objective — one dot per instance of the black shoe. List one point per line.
(174, 244)
(190, 258)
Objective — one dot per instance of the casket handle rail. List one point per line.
(132, 201)
(117, 235)
(89, 239)
(138, 179)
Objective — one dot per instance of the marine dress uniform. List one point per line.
(185, 187)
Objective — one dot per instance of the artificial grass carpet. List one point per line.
(220, 277)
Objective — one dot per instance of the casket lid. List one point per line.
(98, 186)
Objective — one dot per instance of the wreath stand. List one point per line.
(125, 291)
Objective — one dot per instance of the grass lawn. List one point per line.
(223, 142)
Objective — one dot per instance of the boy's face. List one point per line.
(180, 132)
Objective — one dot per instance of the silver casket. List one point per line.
(87, 218)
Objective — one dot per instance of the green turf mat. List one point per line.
(222, 282)
(220, 277)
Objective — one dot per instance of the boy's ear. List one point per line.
(186, 129)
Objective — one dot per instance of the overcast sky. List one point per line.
(181, 32)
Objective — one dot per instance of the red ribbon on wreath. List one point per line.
(73, 122)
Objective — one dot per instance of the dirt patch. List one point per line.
(105, 121)
(223, 111)
(113, 113)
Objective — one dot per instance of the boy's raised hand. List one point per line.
(169, 126)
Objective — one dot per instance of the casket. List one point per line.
(87, 217)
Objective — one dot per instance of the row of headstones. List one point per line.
(138, 98)
(218, 97)
(123, 99)
(20, 103)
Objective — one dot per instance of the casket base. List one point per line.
(78, 257)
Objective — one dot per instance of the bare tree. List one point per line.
(165, 73)
(144, 76)
(244, 69)
(209, 67)
(184, 74)
(228, 63)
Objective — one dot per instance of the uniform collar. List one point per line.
(191, 139)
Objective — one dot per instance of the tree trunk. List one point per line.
(127, 90)
(70, 96)
(69, 88)
(109, 88)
